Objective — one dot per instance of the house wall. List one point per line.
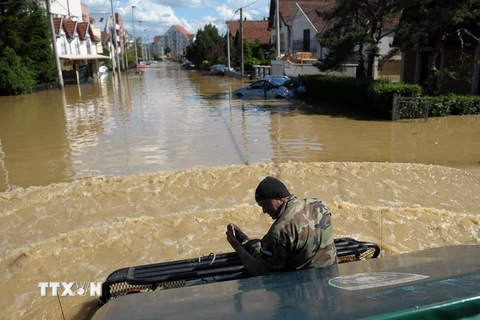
(98, 34)
(298, 25)
(411, 68)
(284, 37)
(72, 8)
(390, 70)
(158, 46)
(385, 44)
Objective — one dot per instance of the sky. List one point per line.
(157, 16)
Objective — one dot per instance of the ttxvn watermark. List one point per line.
(71, 289)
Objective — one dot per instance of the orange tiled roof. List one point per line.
(392, 22)
(57, 22)
(63, 24)
(311, 8)
(286, 8)
(69, 26)
(82, 28)
(252, 30)
(183, 31)
(157, 38)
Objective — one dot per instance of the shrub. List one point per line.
(15, 77)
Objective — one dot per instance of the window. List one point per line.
(306, 40)
(257, 85)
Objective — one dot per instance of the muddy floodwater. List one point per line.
(151, 167)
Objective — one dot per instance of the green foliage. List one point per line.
(381, 95)
(333, 89)
(364, 95)
(357, 27)
(376, 97)
(257, 52)
(24, 28)
(454, 105)
(209, 45)
(250, 62)
(15, 77)
(435, 24)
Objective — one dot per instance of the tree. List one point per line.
(24, 28)
(435, 24)
(356, 32)
(15, 77)
(209, 45)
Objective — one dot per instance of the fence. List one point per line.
(410, 107)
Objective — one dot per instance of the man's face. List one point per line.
(271, 207)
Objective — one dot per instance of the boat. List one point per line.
(438, 283)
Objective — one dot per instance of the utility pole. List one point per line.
(112, 51)
(115, 38)
(228, 46)
(141, 39)
(125, 45)
(241, 38)
(278, 28)
(134, 39)
(54, 45)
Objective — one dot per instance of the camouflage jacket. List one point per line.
(301, 237)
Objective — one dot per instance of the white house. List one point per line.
(76, 41)
(300, 25)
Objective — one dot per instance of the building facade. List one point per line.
(173, 42)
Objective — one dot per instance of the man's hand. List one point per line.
(231, 237)
(247, 260)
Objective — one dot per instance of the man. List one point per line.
(301, 236)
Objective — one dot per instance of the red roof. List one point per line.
(82, 28)
(70, 27)
(310, 9)
(183, 31)
(252, 30)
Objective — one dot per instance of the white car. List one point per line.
(271, 87)
(102, 70)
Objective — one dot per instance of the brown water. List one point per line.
(152, 167)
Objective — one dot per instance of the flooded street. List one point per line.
(151, 167)
(170, 119)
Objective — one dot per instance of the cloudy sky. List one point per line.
(157, 16)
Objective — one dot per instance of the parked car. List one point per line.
(216, 70)
(102, 70)
(272, 87)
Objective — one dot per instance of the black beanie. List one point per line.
(271, 188)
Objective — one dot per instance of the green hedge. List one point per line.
(375, 97)
(363, 95)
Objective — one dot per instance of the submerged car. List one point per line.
(216, 70)
(271, 87)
